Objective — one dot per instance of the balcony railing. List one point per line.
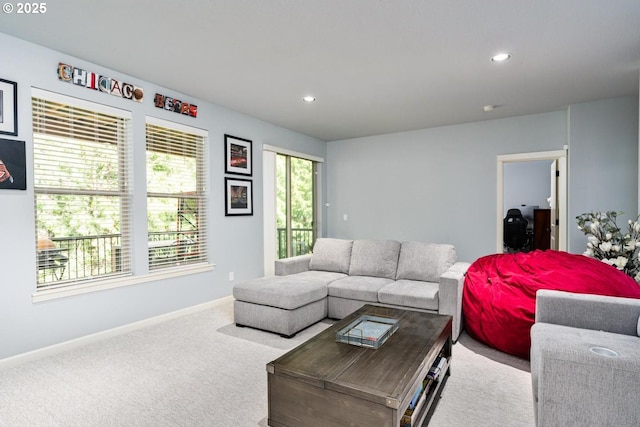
(301, 241)
(172, 247)
(76, 258)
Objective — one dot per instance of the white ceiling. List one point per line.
(375, 66)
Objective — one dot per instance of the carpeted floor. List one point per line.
(201, 370)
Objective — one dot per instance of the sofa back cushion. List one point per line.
(424, 261)
(376, 258)
(331, 255)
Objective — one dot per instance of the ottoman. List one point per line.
(282, 304)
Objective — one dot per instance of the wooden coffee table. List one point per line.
(326, 383)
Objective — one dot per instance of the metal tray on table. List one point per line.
(368, 331)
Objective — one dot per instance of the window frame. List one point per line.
(123, 194)
(201, 196)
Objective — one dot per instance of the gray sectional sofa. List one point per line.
(342, 275)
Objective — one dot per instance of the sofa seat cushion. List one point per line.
(411, 294)
(425, 261)
(287, 292)
(363, 288)
(331, 255)
(375, 258)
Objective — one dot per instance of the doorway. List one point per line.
(555, 162)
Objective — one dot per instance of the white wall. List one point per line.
(236, 242)
(432, 185)
(603, 161)
(439, 185)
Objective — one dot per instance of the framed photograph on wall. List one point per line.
(238, 196)
(8, 107)
(13, 165)
(238, 155)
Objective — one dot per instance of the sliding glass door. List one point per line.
(295, 205)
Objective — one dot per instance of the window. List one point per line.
(81, 185)
(176, 194)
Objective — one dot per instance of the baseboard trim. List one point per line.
(51, 350)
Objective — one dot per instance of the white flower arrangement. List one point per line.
(608, 243)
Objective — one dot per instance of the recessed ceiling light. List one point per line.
(501, 57)
(488, 108)
(309, 98)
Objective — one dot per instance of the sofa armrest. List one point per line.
(451, 284)
(293, 265)
(577, 386)
(596, 312)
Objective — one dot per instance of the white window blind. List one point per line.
(82, 196)
(176, 194)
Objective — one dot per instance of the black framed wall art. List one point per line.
(238, 154)
(8, 107)
(238, 196)
(13, 165)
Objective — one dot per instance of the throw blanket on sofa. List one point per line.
(500, 292)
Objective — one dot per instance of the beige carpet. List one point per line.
(201, 370)
(486, 388)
